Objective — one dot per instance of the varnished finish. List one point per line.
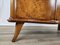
(35, 9)
(33, 21)
(43, 7)
(12, 8)
(17, 30)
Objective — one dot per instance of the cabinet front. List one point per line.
(35, 9)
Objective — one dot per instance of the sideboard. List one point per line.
(34, 11)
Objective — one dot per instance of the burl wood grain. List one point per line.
(35, 9)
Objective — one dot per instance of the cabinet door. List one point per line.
(35, 9)
(57, 16)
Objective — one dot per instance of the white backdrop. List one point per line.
(5, 12)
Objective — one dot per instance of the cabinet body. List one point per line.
(36, 11)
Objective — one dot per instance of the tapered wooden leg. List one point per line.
(58, 27)
(17, 30)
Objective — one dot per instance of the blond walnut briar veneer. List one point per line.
(34, 11)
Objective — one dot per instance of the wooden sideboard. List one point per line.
(34, 11)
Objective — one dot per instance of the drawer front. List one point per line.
(36, 9)
(57, 16)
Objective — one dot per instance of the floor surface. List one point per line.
(31, 37)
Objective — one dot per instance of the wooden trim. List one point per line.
(12, 8)
(33, 21)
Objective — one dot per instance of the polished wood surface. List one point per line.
(34, 21)
(44, 9)
(17, 30)
(12, 8)
(35, 9)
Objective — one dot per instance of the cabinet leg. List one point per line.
(58, 27)
(17, 30)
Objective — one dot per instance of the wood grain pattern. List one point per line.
(12, 9)
(36, 9)
(17, 30)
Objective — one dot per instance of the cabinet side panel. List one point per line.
(12, 8)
